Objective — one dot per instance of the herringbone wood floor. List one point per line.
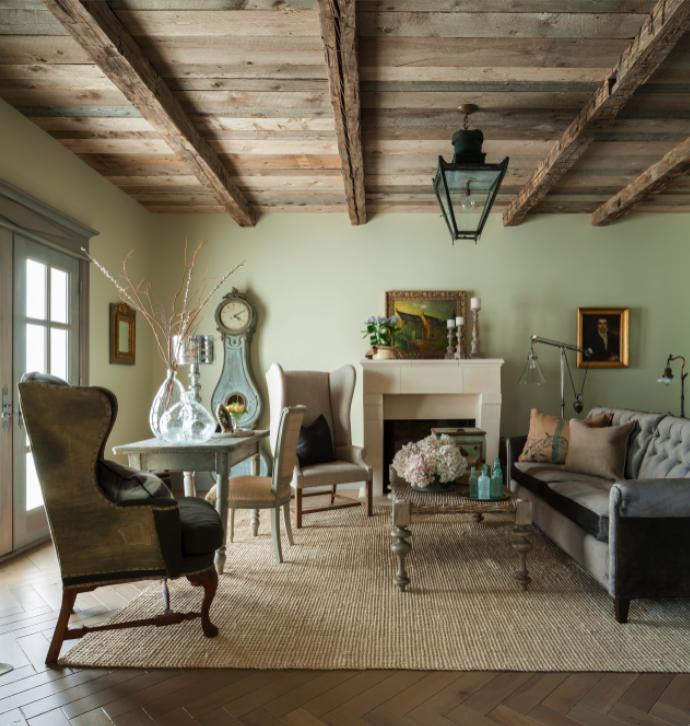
(40, 696)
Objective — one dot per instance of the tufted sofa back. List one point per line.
(668, 454)
(641, 437)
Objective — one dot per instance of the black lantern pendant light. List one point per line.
(467, 187)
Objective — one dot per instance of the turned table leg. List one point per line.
(222, 507)
(523, 520)
(401, 547)
(189, 484)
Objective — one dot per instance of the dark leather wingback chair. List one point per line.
(100, 539)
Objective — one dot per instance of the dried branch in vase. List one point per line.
(187, 304)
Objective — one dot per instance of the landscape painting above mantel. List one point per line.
(422, 331)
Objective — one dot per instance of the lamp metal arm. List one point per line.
(557, 344)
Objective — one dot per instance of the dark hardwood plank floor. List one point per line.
(37, 695)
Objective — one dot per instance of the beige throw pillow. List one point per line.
(547, 441)
(598, 452)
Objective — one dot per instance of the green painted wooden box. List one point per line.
(470, 441)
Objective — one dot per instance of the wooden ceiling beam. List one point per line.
(647, 185)
(660, 32)
(339, 35)
(99, 32)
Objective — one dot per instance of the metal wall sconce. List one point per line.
(198, 350)
(532, 374)
(467, 187)
(668, 378)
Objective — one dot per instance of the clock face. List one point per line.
(235, 316)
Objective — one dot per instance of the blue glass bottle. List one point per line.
(484, 483)
(497, 480)
(473, 483)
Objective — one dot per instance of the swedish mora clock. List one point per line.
(236, 319)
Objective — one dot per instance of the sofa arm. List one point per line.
(354, 455)
(651, 498)
(649, 537)
(514, 447)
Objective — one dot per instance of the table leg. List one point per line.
(400, 534)
(222, 507)
(254, 470)
(189, 486)
(523, 520)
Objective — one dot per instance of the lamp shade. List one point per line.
(532, 375)
(466, 188)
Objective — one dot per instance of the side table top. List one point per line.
(454, 501)
(156, 446)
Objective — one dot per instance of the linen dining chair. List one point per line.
(328, 395)
(269, 492)
(110, 523)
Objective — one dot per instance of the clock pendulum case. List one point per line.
(236, 319)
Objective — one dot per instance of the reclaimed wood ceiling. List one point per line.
(252, 76)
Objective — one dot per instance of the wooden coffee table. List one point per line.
(407, 501)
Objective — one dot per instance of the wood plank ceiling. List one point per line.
(252, 76)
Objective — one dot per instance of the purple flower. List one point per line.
(393, 319)
(370, 319)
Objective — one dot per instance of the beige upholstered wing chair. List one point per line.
(329, 394)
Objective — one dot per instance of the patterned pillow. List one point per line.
(547, 441)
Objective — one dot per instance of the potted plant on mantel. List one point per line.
(381, 332)
(172, 331)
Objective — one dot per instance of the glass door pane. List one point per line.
(46, 340)
(6, 392)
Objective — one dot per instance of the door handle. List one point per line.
(6, 409)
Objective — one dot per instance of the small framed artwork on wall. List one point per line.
(122, 333)
(422, 330)
(605, 331)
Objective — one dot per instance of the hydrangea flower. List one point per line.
(419, 463)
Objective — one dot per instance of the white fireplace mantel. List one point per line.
(424, 389)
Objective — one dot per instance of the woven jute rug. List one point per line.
(333, 605)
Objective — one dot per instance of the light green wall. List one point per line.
(315, 278)
(39, 165)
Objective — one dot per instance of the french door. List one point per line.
(44, 337)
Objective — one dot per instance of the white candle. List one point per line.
(460, 321)
(450, 323)
(476, 303)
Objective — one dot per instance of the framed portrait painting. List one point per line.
(605, 332)
(422, 330)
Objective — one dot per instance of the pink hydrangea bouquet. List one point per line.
(430, 460)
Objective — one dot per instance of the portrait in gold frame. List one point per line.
(606, 332)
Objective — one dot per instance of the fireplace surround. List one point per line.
(418, 390)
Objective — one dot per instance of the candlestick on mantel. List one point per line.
(460, 353)
(450, 354)
(476, 348)
(476, 303)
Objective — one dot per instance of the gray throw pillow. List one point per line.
(598, 452)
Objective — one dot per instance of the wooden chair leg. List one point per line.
(298, 508)
(620, 608)
(370, 496)
(288, 524)
(333, 486)
(68, 598)
(275, 532)
(208, 579)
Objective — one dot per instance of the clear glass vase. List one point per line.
(169, 394)
(187, 421)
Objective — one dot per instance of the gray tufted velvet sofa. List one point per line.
(633, 536)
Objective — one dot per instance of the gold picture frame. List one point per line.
(606, 331)
(122, 333)
(422, 331)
